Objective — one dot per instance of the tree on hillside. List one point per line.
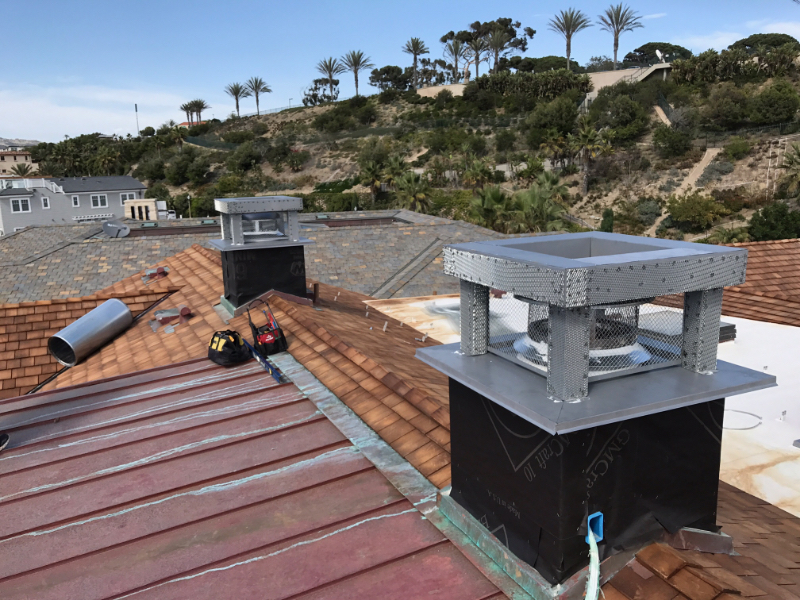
(646, 54)
(475, 49)
(497, 43)
(198, 106)
(567, 23)
(504, 33)
(237, 91)
(775, 222)
(413, 189)
(390, 77)
(766, 41)
(186, 108)
(488, 208)
(536, 211)
(257, 86)
(372, 177)
(586, 144)
(330, 68)
(455, 51)
(617, 19)
(416, 48)
(356, 61)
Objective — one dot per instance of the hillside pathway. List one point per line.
(688, 183)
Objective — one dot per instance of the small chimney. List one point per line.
(261, 248)
(571, 394)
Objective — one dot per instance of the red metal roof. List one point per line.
(195, 481)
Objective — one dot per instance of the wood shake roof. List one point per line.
(367, 360)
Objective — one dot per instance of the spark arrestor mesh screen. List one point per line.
(621, 338)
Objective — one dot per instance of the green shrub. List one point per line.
(669, 142)
(388, 96)
(260, 128)
(229, 184)
(244, 158)
(607, 224)
(695, 211)
(151, 170)
(443, 98)
(504, 140)
(776, 104)
(737, 148)
(198, 130)
(336, 187)
(148, 132)
(546, 85)
(775, 222)
(158, 191)
(238, 137)
(649, 210)
(296, 160)
(714, 172)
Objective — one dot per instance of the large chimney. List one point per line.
(571, 394)
(261, 248)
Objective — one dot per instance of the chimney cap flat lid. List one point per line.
(258, 204)
(581, 269)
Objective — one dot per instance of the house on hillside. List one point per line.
(45, 201)
(15, 156)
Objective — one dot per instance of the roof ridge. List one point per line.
(763, 242)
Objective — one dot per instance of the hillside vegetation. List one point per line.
(514, 153)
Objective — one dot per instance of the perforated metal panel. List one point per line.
(568, 352)
(701, 314)
(474, 318)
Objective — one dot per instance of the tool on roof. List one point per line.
(276, 373)
(181, 314)
(267, 339)
(228, 348)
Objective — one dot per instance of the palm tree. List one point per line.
(537, 212)
(257, 86)
(477, 174)
(21, 170)
(553, 147)
(198, 106)
(330, 67)
(550, 183)
(186, 107)
(475, 48)
(587, 144)
(454, 51)
(372, 177)
(237, 91)
(412, 189)
(489, 208)
(567, 23)
(497, 43)
(395, 168)
(416, 48)
(355, 61)
(617, 20)
(176, 134)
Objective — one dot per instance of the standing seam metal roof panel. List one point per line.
(195, 481)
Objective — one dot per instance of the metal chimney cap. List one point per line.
(259, 204)
(582, 269)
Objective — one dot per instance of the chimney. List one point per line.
(571, 394)
(261, 248)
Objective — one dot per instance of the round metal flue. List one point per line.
(94, 329)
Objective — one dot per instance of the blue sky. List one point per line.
(79, 66)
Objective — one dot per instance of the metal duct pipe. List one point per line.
(94, 329)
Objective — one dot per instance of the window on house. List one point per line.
(76, 201)
(126, 196)
(99, 201)
(45, 203)
(20, 205)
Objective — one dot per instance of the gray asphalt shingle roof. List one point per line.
(77, 185)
